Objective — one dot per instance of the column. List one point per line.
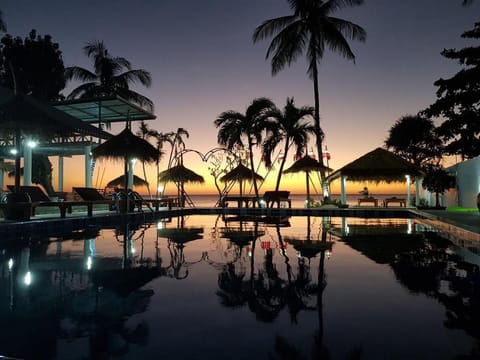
(27, 162)
(343, 185)
(60, 173)
(408, 189)
(88, 166)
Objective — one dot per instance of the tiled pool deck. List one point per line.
(460, 225)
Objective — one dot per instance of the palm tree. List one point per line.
(310, 29)
(293, 128)
(3, 25)
(111, 76)
(235, 127)
(145, 133)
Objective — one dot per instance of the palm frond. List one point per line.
(79, 73)
(141, 76)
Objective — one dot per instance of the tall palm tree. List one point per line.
(310, 29)
(110, 76)
(294, 128)
(235, 127)
(146, 133)
(3, 25)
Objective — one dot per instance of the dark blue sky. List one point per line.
(203, 61)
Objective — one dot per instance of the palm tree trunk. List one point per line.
(318, 129)
(252, 167)
(282, 164)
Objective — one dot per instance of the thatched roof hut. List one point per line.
(379, 165)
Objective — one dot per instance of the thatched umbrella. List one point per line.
(306, 164)
(377, 165)
(180, 175)
(240, 173)
(120, 181)
(126, 146)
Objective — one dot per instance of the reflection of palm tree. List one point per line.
(234, 127)
(310, 29)
(107, 77)
(293, 129)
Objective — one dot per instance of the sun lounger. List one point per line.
(93, 196)
(369, 199)
(40, 199)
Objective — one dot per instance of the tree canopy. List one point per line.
(37, 64)
(458, 101)
(414, 138)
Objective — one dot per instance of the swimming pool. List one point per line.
(228, 287)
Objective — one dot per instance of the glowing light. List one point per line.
(31, 144)
(13, 151)
(28, 278)
(89, 263)
(160, 225)
(10, 264)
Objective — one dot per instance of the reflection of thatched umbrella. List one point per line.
(181, 236)
(126, 146)
(120, 181)
(306, 164)
(240, 173)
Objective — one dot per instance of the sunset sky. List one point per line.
(203, 62)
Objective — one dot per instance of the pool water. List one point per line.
(207, 287)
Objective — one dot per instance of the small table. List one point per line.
(368, 200)
(401, 202)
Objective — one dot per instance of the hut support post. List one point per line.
(409, 195)
(343, 185)
(88, 166)
(417, 191)
(27, 165)
(60, 173)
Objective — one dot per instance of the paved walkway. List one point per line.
(469, 221)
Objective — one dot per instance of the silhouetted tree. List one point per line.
(414, 138)
(458, 101)
(310, 29)
(110, 76)
(437, 181)
(235, 127)
(35, 65)
(293, 128)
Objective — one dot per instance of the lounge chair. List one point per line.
(93, 196)
(40, 199)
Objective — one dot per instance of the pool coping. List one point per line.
(10, 230)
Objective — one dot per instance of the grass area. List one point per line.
(461, 209)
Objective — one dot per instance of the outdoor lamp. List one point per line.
(31, 143)
(10, 264)
(27, 279)
(13, 151)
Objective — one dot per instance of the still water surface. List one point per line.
(206, 287)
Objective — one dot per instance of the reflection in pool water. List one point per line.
(203, 287)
